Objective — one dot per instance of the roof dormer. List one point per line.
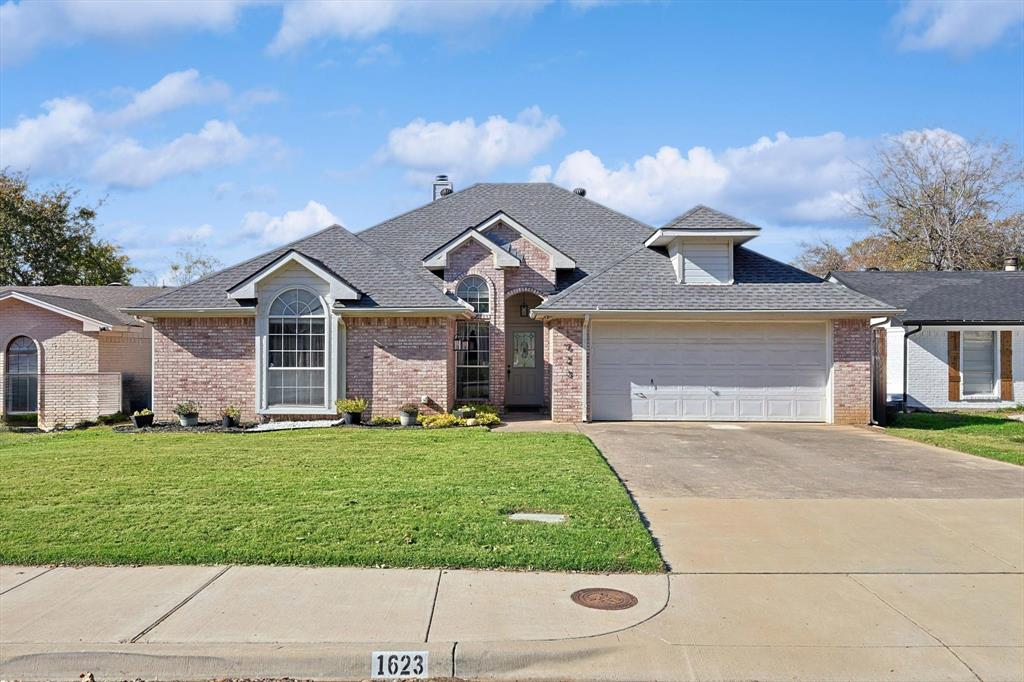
(700, 244)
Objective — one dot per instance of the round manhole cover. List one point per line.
(604, 598)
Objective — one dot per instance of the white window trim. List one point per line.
(995, 395)
(333, 355)
(559, 261)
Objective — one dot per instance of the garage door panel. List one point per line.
(727, 371)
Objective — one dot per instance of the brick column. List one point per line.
(851, 372)
(565, 338)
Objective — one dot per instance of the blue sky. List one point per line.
(231, 127)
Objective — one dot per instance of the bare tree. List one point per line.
(186, 267)
(950, 201)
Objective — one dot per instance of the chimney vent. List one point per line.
(1010, 264)
(580, 191)
(442, 187)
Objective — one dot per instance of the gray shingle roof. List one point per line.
(700, 217)
(101, 303)
(591, 234)
(382, 282)
(645, 280)
(945, 296)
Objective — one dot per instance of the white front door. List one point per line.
(710, 371)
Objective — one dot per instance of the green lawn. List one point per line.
(316, 497)
(987, 434)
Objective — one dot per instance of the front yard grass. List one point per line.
(990, 435)
(328, 497)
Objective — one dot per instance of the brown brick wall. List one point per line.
(209, 360)
(851, 372)
(565, 339)
(392, 361)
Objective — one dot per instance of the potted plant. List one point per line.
(351, 409)
(229, 416)
(142, 418)
(465, 412)
(188, 413)
(408, 413)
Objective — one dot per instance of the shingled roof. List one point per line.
(700, 217)
(100, 303)
(935, 297)
(591, 234)
(645, 280)
(380, 280)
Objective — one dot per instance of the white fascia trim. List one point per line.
(710, 315)
(502, 258)
(154, 313)
(88, 324)
(664, 236)
(339, 289)
(559, 261)
(403, 312)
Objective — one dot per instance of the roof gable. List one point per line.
(559, 261)
(702, 217)
(502, 258)
(339, 288)
(97, 304)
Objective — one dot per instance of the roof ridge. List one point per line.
(417, 208)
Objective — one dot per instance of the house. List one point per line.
(68, 353)
(524, 295)
(960, 342)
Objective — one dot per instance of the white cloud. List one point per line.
(49, 141)
(273, 230)
(70, 136)
(778, 179)
(173, 91)
(540, 173)
(378, 54)
(129, 164)
(190, 234)
(307, 20)
(28, 26)
(960, 26)
(467, 149)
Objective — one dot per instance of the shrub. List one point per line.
(351, 405)
(144, 412)
(442, 421)
(115, 418)
(487, 419)
(231, 412)
(385, 421)
(410, 408)
(484, 408)
(186, 408)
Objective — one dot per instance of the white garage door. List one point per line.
(709, 371)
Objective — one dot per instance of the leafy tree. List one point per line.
(936, 202)
(46, 239)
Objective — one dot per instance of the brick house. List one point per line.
(960, 340)
(68, 353)
(524, 296)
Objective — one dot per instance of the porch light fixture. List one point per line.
(524, 310)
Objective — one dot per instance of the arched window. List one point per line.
(473, 290)
(296, 356)
(21, 371)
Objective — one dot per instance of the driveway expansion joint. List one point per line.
(28, 580)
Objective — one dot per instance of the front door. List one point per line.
(525, 365)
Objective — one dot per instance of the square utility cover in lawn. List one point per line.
(319, 497)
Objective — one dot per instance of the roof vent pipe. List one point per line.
(1010, 264)
(442, 183)
(580, 191)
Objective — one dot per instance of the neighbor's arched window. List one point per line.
(473, 290)
(22, 369)
(296, 356)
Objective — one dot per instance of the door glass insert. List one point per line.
(524, 349)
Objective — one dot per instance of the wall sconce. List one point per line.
(524, 310)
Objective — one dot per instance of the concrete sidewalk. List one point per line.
(324, 623)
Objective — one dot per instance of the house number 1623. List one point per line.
(398, 665)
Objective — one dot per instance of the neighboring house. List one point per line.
(962, 335)
(68, 353)
(521, 295)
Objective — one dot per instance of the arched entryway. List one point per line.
(21, 371)
(524, 352)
